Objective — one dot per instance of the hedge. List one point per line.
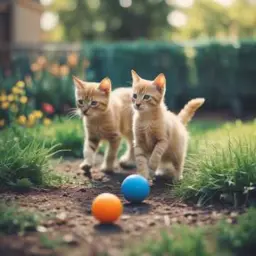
(222, 72)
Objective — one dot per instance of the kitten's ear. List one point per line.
(105, 85)
(160, 82)
(79, 84)
(135, 77)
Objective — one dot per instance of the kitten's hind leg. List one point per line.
(90, 147)
(128, 160)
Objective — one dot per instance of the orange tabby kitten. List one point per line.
(161, 138)
(106, 116)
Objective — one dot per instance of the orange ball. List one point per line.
(107, 208)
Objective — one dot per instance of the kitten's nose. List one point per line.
(138, 105)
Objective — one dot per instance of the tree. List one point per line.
(211, 19)
(107, 19)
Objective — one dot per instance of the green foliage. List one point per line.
(90, 20)
(209, 19)
(16, 221)
(182, 241)
(192, 70)
(67, 136)
(24, 161)
(240, 238)
(225, 168)
(50, 243)
(222, 239)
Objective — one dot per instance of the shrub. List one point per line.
(226, 166)
(24, 160)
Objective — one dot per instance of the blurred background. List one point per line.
(206, 48)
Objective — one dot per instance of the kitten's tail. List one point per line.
(189, 110)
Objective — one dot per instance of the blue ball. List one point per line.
(135, 188)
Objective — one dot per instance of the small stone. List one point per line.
(233, 214)
(41, 229)
(157, 217)
(69, 239)
(125, 217)
(61, 218)
(167, 220)
(82, 189)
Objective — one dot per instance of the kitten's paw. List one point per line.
(107, 169)
(85, 166)
(127, 163)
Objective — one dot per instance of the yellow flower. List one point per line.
(5, 105)
(2, 122)
(64, 70)
(32, 117)
(42, 61)
(24, 99)
(31, 120)
(72, 59)
(16, 90)
(38, 114)
(54, 69)
(3, 97)
(35, 67)
(22, 120)
(20, 84)
(47, 121)
(14, 108)
(10, 97)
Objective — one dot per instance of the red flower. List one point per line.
(48, 108)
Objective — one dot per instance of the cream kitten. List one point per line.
(161, 137)
(106, 116)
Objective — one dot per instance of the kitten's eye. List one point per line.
(94, 103)
(134, 96)
(146, 97)
(80, 102)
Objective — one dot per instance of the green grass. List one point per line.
(16, 221)
(221, 239)
(68, 137)
(25, 161)
(226, 167)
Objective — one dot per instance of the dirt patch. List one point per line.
(70, 220)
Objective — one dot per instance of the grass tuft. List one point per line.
(226, 167)
(221, 239)
(16, 221)
(24, 161)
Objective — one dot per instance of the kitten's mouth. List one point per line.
(138, 108)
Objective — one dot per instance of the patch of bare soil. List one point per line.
(70, 220)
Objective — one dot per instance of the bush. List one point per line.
(226, 167)
(24, 160)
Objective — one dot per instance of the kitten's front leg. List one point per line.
(141, 162)
(157, 154)
(90, 146)
(111, 155)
